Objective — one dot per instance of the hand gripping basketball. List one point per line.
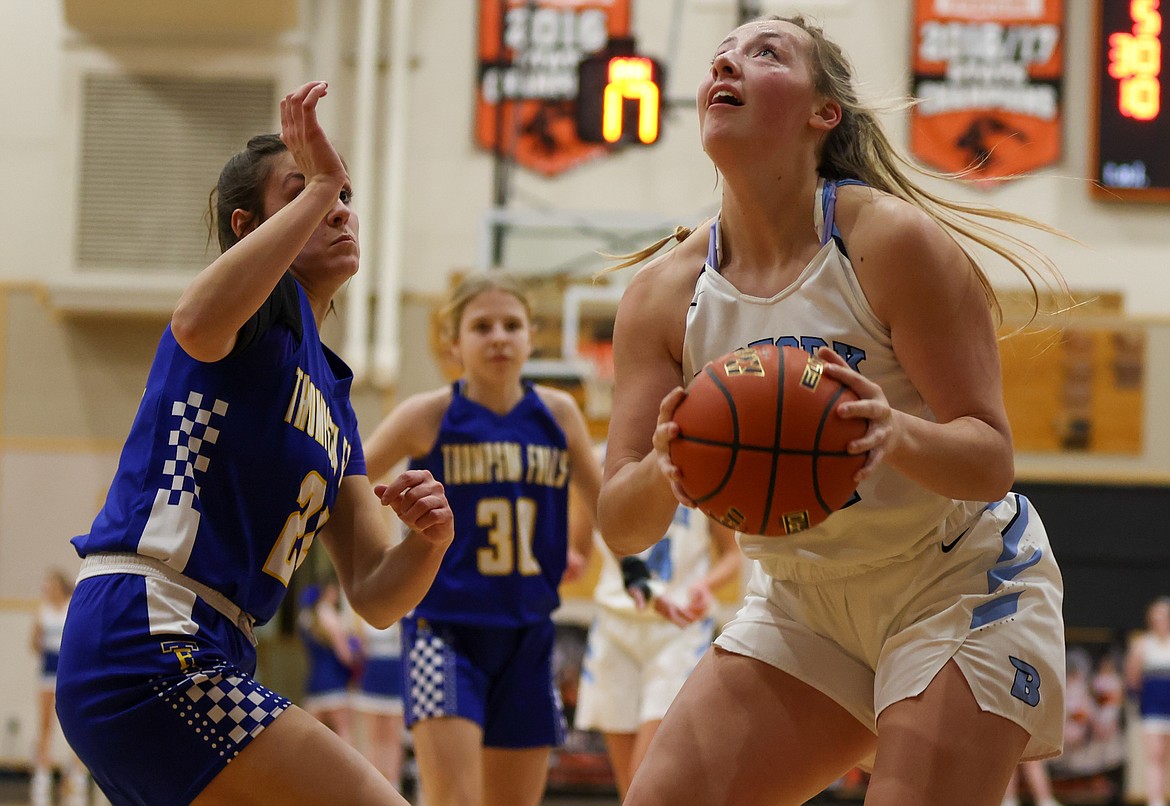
(761, 447)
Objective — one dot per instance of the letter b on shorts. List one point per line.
(1026, 686)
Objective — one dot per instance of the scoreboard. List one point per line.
(1131, 135)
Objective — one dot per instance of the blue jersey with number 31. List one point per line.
(232, 467)
(506, 478)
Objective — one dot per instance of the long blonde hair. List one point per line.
(858, 148)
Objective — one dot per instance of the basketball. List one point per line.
(760, 446)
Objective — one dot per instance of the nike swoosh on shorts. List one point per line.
(946, 547)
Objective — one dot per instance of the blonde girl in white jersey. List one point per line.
(1147, 672)
(654, 622)
(919, 631)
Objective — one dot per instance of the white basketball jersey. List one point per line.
(381, 643)
(681, 557)
(1155, 656)
(825, 306)
(52, 623)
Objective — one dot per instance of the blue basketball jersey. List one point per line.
(232, 467)
(507, 480)
(326, 672)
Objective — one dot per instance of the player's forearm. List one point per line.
(636, 507)
(399, 581)
(728, 567)
(967, 458)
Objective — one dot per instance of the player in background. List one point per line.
(1035, 773)
(46, 643)
(244, 450)
(654, 622)
(480, 697)
(1147, 675)
(330, 658)
(918, 631)
(377, 700)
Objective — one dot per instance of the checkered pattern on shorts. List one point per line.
(428, 667)
(227, 709)
(188, 439)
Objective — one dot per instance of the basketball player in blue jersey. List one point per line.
(918, 631)
(244, 450)
(377, 702)
(330, 658)
(480, 697)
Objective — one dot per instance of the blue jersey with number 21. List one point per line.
(231, 468)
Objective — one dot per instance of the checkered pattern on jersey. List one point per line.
(192, 433)
(431, 662)
(227, 709)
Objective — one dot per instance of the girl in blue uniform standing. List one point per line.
(480, 697)
(377, 703)
(244, 450)
(330, 658)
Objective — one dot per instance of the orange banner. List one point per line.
(988, 77)
(527, 90)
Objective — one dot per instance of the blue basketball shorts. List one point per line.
(327, 683)
(48, 675)
(155, 717)
(381, 685)
(501, 678)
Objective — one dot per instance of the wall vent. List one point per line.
(151, 149)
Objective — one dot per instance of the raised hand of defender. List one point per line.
(301, 132)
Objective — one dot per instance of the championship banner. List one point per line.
(988, 76)
(526, 94)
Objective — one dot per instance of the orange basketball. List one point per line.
(760, 446)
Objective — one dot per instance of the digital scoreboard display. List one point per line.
(1131, 138)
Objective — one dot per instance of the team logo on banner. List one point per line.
(988, 74)
(527, 90)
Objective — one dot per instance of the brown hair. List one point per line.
(241, 186)
(63, 581)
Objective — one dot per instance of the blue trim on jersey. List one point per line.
(829, 212)
(1014, 530)
(506, 478)
(1004, 569)
(996, 609)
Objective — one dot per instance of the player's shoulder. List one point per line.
(885, 221)
(426, 404)
(419, 418)
(669, 279)
(560, 403)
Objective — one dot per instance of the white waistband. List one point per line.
(112, 563)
